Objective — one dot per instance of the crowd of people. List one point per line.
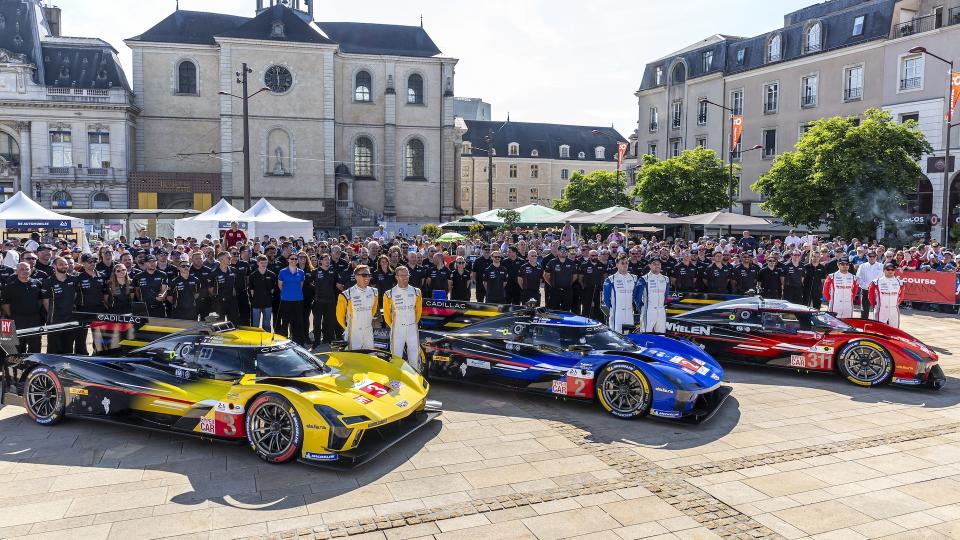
(318, 291)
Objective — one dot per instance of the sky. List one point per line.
(557, 61)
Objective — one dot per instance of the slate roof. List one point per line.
(200, 28)
(837, 17)
(19, 31)
(191, 27)
(295, 29)
(545, 138)
(387, 39)
(82, 66)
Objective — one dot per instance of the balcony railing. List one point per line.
(701, 119)
(808, 100)
(675, 123)
(916, 26)
(911, 83)
(84, 173)
(851, 94)
(85, 95)
(953, 16)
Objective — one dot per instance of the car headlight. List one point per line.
(339, 430)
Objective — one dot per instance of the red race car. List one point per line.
(754, 330)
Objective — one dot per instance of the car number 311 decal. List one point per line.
(812, 361)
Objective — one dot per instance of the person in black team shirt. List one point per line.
(261, 286)
(439, 279)
(91, 286)
(183, 293)
(771, 278)
(460, 280)
(21, 302)
(44, 260)
(59, 299)
(813, 275)
(530, 276)
(120, 291)
(479, 273)
(793, 279)
(716, 277)
(202, 273)
(512, 263)
(495, 280)
(746, 275)
(685, 275)
(591, 275)
(559, 274)
(325, 301)
(383, 278)
(636, 265)
(224, 282)
(151, 285)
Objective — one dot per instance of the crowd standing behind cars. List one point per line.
(285, 284)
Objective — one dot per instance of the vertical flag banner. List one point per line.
(954, 92)
(621, 150)
(737, 130)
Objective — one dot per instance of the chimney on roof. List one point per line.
(51, 14)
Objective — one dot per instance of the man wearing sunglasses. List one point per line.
(402, 306)
(886, 295)
(356, 308)
(840, 288)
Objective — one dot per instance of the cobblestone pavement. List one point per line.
(789, 456)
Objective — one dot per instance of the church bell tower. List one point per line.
(303, 7)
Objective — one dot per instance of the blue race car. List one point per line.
(572, 357)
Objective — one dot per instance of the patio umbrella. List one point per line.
(451, 237)
(722, 218)
(535, 214)
(626, 216)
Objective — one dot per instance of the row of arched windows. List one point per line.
(62, 199)
(413, 158)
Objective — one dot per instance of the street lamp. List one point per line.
(945, 218)
(244, 97)
(616, 142)
(730, 153)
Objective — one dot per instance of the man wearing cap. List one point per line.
(684, 275)
(886, 294)
(356, 308)
(813, 275)
(745, 275)
(867, 273)
(793, 279)
(495, 279)
(227, 286)
(653, 309)
(716, 277)
(840, 288)
(151, 287)
(771, 278)
(559, 275)
(91, 288)
(479, 269)
(591, 275)
(183, 293)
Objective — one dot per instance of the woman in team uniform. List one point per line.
(119, 294)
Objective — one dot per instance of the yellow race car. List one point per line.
(215, 381)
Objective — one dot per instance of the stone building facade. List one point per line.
(355, 125)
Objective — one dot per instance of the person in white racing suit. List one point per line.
(622, 292)
(654, 309)
(886, 293)
(840, 288)
(402, 306)
(356, 308)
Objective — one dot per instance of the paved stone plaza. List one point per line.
(789, 456)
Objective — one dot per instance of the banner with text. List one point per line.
(737, 130)
(934, 287)
(954, 92)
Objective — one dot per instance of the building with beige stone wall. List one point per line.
(355, 125)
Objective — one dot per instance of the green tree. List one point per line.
(593, 191)
(475, 229)
(851, 176)
(431, 231)
(694, 182)
(510, 218)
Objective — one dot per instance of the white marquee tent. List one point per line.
(22, 214)
(264, 218)
(212, 221)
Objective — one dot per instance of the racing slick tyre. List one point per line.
(623, 390)
(865, 363)
(274, 429)
(43, 396)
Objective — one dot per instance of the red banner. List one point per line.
(954, 92)
(934, 287)
(737, 130)
(621, 150)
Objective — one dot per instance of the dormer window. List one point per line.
(276, 31)
(812, 37)
(774, 47)
(534, 153)
(582, 155)
(599, 152)
(513, 149)
(658, 75)
(564, 151)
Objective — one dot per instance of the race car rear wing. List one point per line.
(10, 335)
(453, 314)
(681, 302)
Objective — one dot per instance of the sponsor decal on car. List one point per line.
(826, 349)
(362, 399)
(207, 425)
(315, 427)
(798, 360)
(229, 408)
(320, 457)
(80, 391)
(394, 384)
(402, 403)
(688, 329)
(439, 358)
(691, 366)
(665, 414)
(480, 364)
(664, 390)
(901, 380)
(560, 387)
(372, 388)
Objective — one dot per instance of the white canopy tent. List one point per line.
(264, 218)
(21, 215)
(212, 221)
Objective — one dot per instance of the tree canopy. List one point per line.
(593, 191)
(694, 182)
(850, 176)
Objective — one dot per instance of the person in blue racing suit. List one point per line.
(622, 293)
